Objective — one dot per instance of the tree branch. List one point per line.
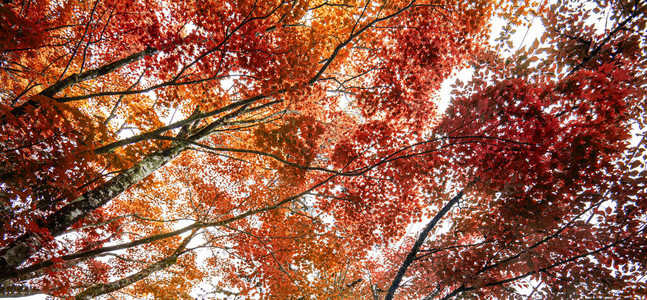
(411, 256)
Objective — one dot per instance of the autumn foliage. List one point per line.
(297, 150)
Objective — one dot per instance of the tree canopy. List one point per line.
(243, 149)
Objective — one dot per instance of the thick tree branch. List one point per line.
(87, 75)
(17, 291)
(157, 132)
(411, 256)
(102, 289)
(94, 73)
(157, 237)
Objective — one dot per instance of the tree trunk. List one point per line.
(14, 254)
(21, 249)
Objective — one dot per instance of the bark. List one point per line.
(105, 288)
(154, 133)
(17, 291)
(94, 252)
(87, 75)
(94, 73)
(416, 247)
(20, 250)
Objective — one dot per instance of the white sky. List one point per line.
(523, 37)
